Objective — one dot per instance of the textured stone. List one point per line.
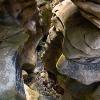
(90, 10)
(41, 2)
(70, 51)
(31, 94)
(93, 39)
(96, 94)
(73, 25)
(12, 38)
(79, 91)
(75, 29)
(46, 98)
(11, 86)
(80, 46)
(7, 32)
(85, 70)
(62, 12)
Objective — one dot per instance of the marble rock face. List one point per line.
(11, 86)
(86, 71)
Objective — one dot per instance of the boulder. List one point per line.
(80, 32)
(80, 45)
(86, 71)
(11, 84)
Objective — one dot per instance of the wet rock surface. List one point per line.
(11, 84)
(83, 70)
(31, 43)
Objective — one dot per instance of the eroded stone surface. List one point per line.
(81, 43)
(11, 86)
(31, 94)
(84, 70)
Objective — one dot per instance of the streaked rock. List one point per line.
(86, 71)
(31, 94)
(11, 85)
(80, 45)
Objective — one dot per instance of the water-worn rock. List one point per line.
(74, 25)
(12, 37)
(83, 31)
(93, 40)
(90, 10)
(30, 19)
(86, 71)
(11, 85)
(62, 12)
(31, 94)
(80, 45)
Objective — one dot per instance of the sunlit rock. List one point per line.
(31, 94)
